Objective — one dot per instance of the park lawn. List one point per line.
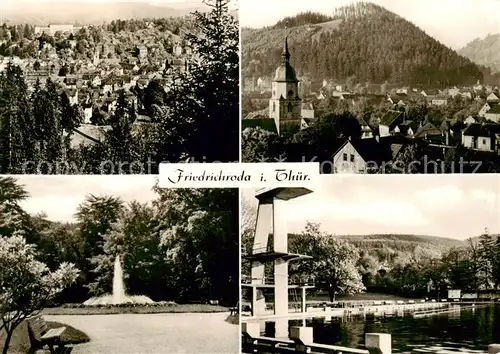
(140, 309)
(20, 342)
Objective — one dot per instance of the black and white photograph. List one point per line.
(372, 264)
(117, 87)
(376, 86)
(114, 264)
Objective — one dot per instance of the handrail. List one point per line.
(289, 346)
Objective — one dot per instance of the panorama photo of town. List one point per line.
(116, 87)
(373, 86)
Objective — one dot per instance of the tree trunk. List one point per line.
(7, 340)
(331, 294)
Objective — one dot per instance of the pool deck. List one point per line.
(370, 310)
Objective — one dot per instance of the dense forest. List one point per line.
(364, 42)
(182, 246)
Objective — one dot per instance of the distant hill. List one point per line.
(364, 42)
(485, 51)
(88, 14)
(402, 242)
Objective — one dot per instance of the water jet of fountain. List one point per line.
(118, 296)
(118, 286)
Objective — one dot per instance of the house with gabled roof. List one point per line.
(437, 100)
(360, 156)
(427, 130)
(492, 98)
(407, 128)
(307, 110)
(470, 120)
(482, 136)
(493, 114)
(389, 121)
(366, 129)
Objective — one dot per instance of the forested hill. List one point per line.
(484, 51)
(389, 249)
(363, 41)
(405, 243)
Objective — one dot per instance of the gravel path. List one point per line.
(154, 333)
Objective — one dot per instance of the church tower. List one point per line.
(285, 103)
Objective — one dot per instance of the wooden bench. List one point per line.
(41, 335)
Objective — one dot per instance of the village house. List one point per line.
(437, 100)
(307, 110)
(453, 92)
(360, 156)
(466, 95)
(407, 128)
(72, 96)
(32, 76)
(492, 98)
(470, 120)
(142, 51)
(451, 130)
(366, 130)
(484, 137)
(485, 108)
(87, 113)
(177, 50)
(391, 120)
(493, 114)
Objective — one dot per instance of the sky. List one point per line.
(453, 206)
(59, 196)
(170, 3)
(453, 22)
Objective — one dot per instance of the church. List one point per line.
(286, 110)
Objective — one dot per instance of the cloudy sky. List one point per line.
(452, 22)
(454, 206)
(59, 196)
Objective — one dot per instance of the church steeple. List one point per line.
(285, 55)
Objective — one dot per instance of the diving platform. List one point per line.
(271, 222)
(281, 193)
(271, 256)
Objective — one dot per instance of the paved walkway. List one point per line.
(154, 333)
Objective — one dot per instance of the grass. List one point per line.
(20, 342)
(111, 310)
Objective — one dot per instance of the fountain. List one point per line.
(118, 295)
(118, 287)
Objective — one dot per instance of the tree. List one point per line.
(95, 216)
(199, 229)
(205, 101)
(334, 262)
(27, 285)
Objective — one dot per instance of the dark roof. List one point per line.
(427, 128)
(266, 124)
(390, 117)
(370, 150)
(485, 130)
(495, 109)
(395, 143)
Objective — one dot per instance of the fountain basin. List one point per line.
(111, 300)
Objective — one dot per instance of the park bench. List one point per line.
(41, 335)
